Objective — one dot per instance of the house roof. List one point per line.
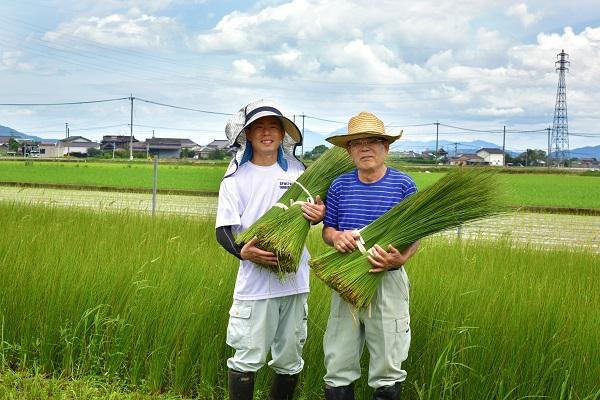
(72, 139)
(490, 150)
(170, 142)
(118, 139)
(219, 144)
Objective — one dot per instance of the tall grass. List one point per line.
(144, 301)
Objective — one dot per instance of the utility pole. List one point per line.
(455, 149)
(549, 149)
(131, 130)
(437, 132)
(68, 142)
(560, 125)
(504, 147)
(302, 135)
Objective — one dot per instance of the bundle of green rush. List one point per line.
(460, 196)
(282, 230)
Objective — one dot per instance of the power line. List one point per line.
(181, 108)
(62, 104)
(322, 119)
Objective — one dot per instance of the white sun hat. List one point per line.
(235, 129)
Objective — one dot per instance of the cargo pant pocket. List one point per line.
(239, 329)
(302, 330)
(403, 336)
(397, 338)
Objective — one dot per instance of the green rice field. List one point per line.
(143, 303)
(544, 190)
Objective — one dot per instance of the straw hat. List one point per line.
(363, 125)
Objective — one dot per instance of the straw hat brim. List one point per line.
(342, 140)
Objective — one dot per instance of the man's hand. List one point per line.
(314, 212)
(345, 241)
(383, 260)
(252, 253)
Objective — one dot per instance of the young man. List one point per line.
(354, 200)
(268, 313)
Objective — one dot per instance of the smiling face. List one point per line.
(265, 134)
(368, 154)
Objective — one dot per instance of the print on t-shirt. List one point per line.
(284, 184)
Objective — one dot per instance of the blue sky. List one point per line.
(474, 64)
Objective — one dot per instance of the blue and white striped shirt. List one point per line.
(352, 204)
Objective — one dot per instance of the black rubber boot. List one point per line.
(241, 385)
(393, 392)
(339, 392)
(283, 387)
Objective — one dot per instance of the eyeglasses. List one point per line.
(354, 144)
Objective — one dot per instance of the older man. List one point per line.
(354, 200)
(268, 314)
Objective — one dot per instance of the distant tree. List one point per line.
(318, 151)
(13, 145)
(93, 152)
(217, 155)
(509, 159)
(186, 153)
(532, 157)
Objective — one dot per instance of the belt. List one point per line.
(394, 269)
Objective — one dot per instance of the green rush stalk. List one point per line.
(283, 230)
(461, 196)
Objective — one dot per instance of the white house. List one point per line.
(75, 144)
(492, 156)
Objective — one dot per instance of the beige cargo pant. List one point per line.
(257, 326)
(384, 327)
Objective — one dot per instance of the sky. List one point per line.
(472, 66)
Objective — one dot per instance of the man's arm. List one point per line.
(383, 260)
(248, 252)
(227, 241)
(343, 241)
(314, 212)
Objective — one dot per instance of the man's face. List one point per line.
(369, 153)
(265, 134)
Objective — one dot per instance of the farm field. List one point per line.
(143, 301)
(545, 190)
(524, 227)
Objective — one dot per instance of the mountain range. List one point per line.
(6, 131)
(313, 139)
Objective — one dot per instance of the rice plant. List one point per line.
(461, 196)
(143, 303)
(282, 229)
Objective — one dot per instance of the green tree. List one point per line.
(217, 155)
(186, 153)
(13, 145)
(93, 152)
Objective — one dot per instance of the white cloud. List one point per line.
(134, 30)
(497, 111)
(12, 60)
(520, 11)
(244, 68)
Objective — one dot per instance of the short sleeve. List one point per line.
(228, 207)
(411, 188)
(331, 207)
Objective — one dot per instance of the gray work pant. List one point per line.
(384, 327)
(257, 326)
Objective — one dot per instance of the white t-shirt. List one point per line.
(243, 198)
